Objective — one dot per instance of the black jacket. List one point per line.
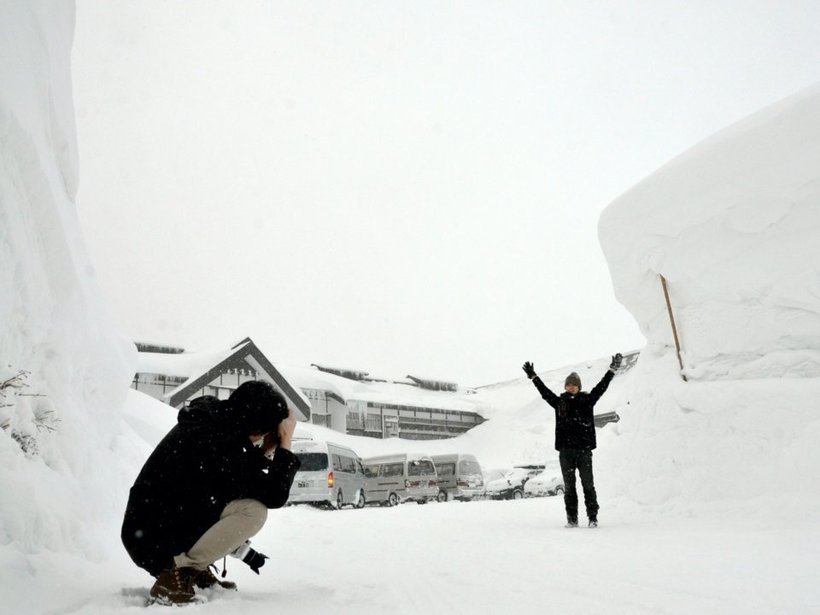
(574, 423)
(202, 464)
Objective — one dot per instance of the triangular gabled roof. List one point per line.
(244, 353)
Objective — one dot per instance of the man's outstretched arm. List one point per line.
(601, 387)
(550, 397)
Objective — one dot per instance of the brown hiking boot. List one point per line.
(175, 585)
(207, 579)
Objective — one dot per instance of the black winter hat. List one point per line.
(573, 378)
(260, 407)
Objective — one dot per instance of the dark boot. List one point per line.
(175, 585)
(207, 579)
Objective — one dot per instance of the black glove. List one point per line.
(616, 362)
(529, 369)
(255, 560)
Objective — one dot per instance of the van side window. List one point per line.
(446, 469)
(348, 465)
(420, 467)
(337, 463)
(371, 471)
(393, 469)
(359, 467)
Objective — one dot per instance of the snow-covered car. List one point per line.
(509, 486)
(545, 483)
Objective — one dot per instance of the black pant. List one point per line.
(572, 459)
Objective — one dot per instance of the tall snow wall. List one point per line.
(64, 371)
(734, 226)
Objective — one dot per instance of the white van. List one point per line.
(459, 477)
(404, 477)
(330, 474)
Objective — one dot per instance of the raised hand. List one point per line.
(286, 429)
(616, 361)
(529, 369)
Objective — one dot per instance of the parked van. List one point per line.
(330, 474)
(405, 477)
(459, 477)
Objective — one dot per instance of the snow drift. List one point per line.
(65, 370)
(733, 225)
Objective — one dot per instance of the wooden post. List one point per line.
(674, 328)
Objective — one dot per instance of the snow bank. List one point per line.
(65, 370)
(733, 225)
(745, 446)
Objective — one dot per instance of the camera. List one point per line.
(250, 556)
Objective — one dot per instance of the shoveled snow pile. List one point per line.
(733, 225)
(63, 370)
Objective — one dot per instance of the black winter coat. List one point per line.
(202, 464)
(574, 422)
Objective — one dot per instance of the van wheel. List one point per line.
(517, 494)
(360, 502)
(339, 500)
(392, 499)
(442, 496)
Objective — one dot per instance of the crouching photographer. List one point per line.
(207, 487)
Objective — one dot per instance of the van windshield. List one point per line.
(469, 467)
(420, 467)
(311, 462)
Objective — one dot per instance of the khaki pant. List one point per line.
(240, 520)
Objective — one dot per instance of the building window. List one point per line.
(373, 422)
(355, 421)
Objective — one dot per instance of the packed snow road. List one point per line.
(487, 557)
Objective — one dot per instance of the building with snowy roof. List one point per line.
(413, 408)
(346, 400)
(175, 376)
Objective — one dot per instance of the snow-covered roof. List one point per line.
(409, 456)
(181, 365)
(198, 369)
(345, 372)
(388, 393)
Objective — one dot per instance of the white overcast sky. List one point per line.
(398, 187)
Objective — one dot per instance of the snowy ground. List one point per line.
(679, 554)
(483, 557)
(676, 555)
